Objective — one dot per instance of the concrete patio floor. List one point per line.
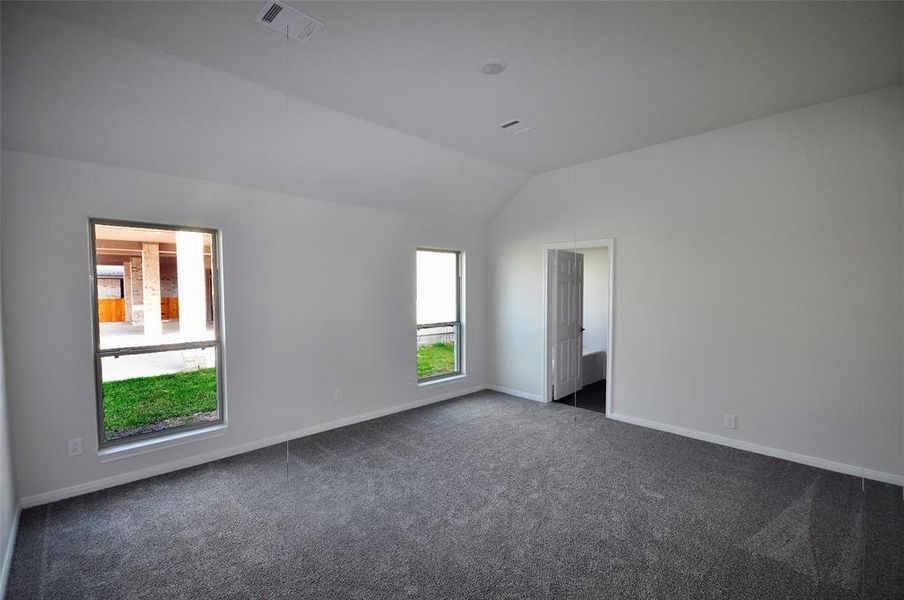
(126, 335)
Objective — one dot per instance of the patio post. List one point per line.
(192, 290)
(150, 272)
(127, 288)
(137, 285)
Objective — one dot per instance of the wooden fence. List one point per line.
(111, 310)
(169, 308)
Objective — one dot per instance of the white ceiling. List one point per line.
(76, 93)
(593, 78)
(386, 107)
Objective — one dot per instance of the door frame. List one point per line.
(610, 354)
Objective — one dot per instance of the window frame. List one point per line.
(216, 343)
(458, 323)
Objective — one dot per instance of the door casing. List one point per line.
(610, 354)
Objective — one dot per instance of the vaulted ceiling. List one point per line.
(392, 91)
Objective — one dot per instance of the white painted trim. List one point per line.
(804, 459)
(610, 337)
(517, 393)
(578, 245)
(444, 381)
(161, 443)
(8, 554)
(192, 461)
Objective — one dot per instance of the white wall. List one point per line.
(757, 272)
(339, 309)
(8, 494)
(759, 266)
(339, 312)
(596, 299)
(8, 498)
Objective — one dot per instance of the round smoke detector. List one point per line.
(492, 67)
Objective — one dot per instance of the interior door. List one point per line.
(566, 307)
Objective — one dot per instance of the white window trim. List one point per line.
(162, 442)
(462, 371)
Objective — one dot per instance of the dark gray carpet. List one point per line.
(485, 496)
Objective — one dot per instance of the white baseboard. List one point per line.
(518, 393)
(8, 552)
(192, 461)
(107, 482)
(812, 461)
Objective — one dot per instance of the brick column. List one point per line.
(150, 273)
(127, 288)
(137, 285)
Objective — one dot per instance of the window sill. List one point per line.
(161, 443)
(442, 380)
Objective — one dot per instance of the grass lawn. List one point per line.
(143, 401)
(435, 359)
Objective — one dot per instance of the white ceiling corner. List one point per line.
(391, 94)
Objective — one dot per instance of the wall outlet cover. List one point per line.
(75, 446)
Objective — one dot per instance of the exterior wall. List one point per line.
(109, 287)
(169, 284)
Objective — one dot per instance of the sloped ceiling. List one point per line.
(386, 104)
(73, 92)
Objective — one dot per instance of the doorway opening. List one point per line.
(579, 310)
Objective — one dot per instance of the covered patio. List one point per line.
(154, 287)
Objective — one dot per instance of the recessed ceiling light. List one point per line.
(492, 67)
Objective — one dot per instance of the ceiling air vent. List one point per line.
(271, 13)
(286, 20)
(516, 126)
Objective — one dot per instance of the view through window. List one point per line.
(157, 341)
(439, 331)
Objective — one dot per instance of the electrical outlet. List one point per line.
(337, 394)
(731, 422)
(75, 447)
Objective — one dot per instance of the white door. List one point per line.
(565, 320)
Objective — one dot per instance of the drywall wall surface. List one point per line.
(317, 296)
(8, 491)
(757, 272)
(8, 497)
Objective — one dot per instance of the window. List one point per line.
(439, 330)
(157, 346)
